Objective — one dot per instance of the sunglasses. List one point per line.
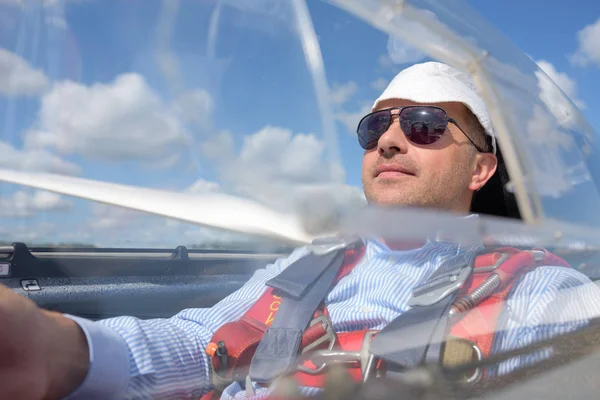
(422, 125)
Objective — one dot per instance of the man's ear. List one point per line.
(483, 169)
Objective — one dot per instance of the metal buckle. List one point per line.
(368, 361)
(329, 335)
(322, 246)
(322, 359)
(437, 293)
(538, 254)
(503, 257)
(478, 371)
(325, 358)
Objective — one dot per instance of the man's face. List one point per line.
(441, 175)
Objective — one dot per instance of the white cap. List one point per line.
(434, 82)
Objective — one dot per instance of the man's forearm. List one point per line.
(67, 356)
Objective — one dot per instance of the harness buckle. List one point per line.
(368, 361)
(326, 245)
(323, 359)
(503, 257)
(538, 254)
(439, 288)
(329, 335)
(478, 373)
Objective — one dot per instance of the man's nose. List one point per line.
(393, 140)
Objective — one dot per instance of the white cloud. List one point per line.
(554, 169)
(24, 204)
(322, 207)
(549, 169)
(43, 200)
(195, 106)
(418, 30)
(259, 172)
(350, 119)
(203, 186)
(543, 131)
(24, 233)
(35, 160)
(298, 157)
(588, 51)
(379, 84)
(341, 93)
(110, 217)
(218, 146)
(122, 120)
(400, 52)
(285, 171)
(385, 62)
(291, 178)
(18, 78)
(564, 82)
(554, 98)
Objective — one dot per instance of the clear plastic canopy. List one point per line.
(259, 100)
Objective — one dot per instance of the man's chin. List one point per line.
(382, 200)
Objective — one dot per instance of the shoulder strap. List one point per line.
(419, 334)
(240, 338)
(406, 341)
(302, 287)
(279, 346)
(476, 314)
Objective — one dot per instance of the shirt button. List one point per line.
(366, 309)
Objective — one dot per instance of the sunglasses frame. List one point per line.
(402, 108)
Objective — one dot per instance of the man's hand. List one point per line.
(43, 355)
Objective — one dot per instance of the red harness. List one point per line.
(476, 323)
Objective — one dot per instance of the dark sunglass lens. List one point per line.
(423, 125)
(372, 127)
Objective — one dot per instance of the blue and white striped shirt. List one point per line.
(165, 358)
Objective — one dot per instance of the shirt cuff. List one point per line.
(108, 374)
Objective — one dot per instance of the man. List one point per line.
(428, 144)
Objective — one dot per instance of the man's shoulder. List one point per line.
(549, 282)
(556, 275)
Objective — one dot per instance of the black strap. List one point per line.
(416, 336)
(303, 285)
(297, 278)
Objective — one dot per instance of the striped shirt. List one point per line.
(165, 358)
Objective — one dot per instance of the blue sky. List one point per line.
(239, 91)
(548, 31)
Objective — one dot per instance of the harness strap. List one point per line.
(242, 337)
(477, 323)
(294, 281)
(418, 333)
(424, 336)
(302, 286)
